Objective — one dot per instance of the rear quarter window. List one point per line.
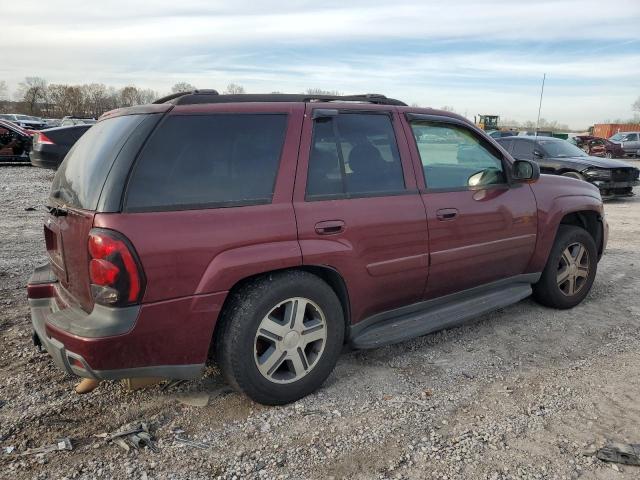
(208, 161)
(81, 176)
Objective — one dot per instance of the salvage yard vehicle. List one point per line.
(24, 121)
(50, 146)
(597, 147)
(614, 178)
(274, 229)
(15, 143)
(628, 141)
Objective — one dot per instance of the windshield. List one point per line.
(560, 148)
(617, 137)
(81, 176)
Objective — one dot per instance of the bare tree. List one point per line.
(182, 87)
(33, 93)
(320, 91)
(448, 108)
(636, 105)
(234, 88)
(4, 90)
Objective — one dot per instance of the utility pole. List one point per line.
(544, 76)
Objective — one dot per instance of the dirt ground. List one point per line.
(525, 392)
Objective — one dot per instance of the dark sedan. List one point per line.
(15, 143)
(559, 157)
(50, 146)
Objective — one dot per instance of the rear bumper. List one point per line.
(166, 339)
(44, 159)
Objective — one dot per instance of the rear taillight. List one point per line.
(42, 139)
(114, 271)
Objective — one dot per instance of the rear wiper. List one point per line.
(57, 211)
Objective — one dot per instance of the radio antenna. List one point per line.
(544, 76)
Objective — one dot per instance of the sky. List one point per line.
(476, 56)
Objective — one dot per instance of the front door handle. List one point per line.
(447, 213)
(330, 227)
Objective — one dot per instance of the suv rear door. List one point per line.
(357, 206)
(481, 227)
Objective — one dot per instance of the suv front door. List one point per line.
(481, 227)
(357, 206)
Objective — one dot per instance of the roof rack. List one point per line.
(212, 96)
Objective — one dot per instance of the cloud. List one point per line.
(464, 53)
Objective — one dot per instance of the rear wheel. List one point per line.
(575, 175)
(281, 337)
(570, 270)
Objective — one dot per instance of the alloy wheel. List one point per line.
(290, 340)
(573, 269)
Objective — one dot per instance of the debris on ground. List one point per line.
(196, 399)
(135, 435)
(192, 443)
(62, 444)
(86, 385)
(624, 453)
(132, 384)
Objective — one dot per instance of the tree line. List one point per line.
(35, 96)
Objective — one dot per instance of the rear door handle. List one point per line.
(329, 227)
(447, 213)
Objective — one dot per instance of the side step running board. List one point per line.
(434, 315)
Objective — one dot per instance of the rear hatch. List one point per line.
(73, 201)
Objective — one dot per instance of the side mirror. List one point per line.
(525, 171)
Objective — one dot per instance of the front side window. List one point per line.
(206, 161)
(522, 150)
(354, 155)
(453, 157)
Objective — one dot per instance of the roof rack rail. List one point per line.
(212, 96)
(173, 96)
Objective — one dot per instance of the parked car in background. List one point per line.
(24, 121)
(15, 143)
(560, 157)
(68, 121)
(628, 141)
(502, 133)
(52, 122)
(273, 229)
(597, 147)
(51, 145)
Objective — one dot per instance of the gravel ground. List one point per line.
(526, 392)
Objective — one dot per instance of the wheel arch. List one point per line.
(328, 274)
(580, 210)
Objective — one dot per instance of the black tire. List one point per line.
(575, 175)
(243, 314)
(547, 291)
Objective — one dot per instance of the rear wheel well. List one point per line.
(327, 274)
(588, 220)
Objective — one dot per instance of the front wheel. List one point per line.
(281, 337)
(570, 270)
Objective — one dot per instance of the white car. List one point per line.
(24, 121)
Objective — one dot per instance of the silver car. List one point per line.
(629, 141)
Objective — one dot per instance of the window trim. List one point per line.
(346, 195)
(203, 205)
(447, 121)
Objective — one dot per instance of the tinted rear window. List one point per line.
(81, 176)
(206, 161)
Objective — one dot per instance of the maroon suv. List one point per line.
(273, 229)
